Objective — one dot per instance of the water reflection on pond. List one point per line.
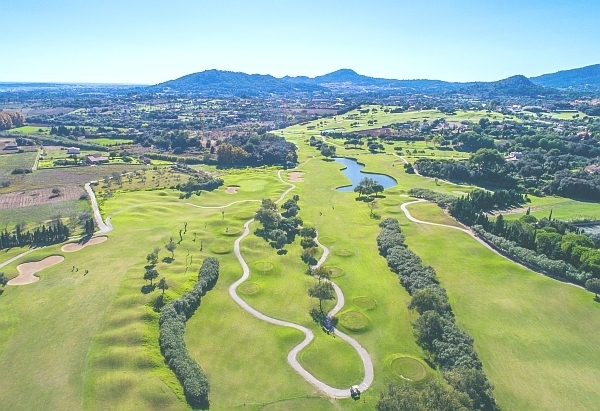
(354, 173)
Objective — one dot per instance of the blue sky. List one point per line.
(134, 41)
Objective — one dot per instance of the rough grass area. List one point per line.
(533, 334)
(8, 162)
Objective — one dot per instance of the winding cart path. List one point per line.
(309, 335)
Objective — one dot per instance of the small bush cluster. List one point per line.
(173, 317)
(436, 331)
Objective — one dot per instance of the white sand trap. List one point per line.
(72, 247)
(462, 193)
(296, 177)
(27, 270)
(232, 189)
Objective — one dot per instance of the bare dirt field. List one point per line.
(27, 270)
(72, 247)
(28, 198)
(296, 177)
(232, 189)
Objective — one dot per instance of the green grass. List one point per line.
(89, 342)
(8, 162)
(30, 130)
(562, 208)
(538, 338)
(34, 215)
(108, 142)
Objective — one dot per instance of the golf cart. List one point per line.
(355, 392)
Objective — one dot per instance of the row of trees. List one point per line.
(10, 119)
(450, 347)
(44, 235)
(173, 317)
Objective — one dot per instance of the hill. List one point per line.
(585, 77)
(515, 86)
(218, 82)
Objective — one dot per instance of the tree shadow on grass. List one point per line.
(147, 289)
(282, 252)
(159, 303)
(168, 260)
(597, 299)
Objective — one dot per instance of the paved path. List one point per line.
(472, 234)
(309, 335)
(103, 228)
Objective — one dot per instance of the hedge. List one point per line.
(173, 317)
(436, 330)
(540, 262)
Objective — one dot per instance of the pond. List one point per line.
(354, 173)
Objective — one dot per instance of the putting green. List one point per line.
(335, 271)
(344, 252)
(249, 288)
(220, 249)
(365, 302)
(354, 321)
(326, 240)
(263, 266)
(232, 231)
(409, 369)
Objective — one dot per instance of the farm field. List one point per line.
(8, 162)
(35, 215)
(30, 130)
(528, 329)
(65, 176)
(108, 142)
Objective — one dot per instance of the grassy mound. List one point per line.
(354, 321)
(335, 271)
(249, 288)
(390, 202)
(393, 210)
(409, 369)
(344, 252)
(365, 302)
(263, 266)
(232, 231)
(243, 215)
(220, 249)
(326, 240)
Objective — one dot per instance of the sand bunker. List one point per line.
(462, 193)
(232, 189)
(296, 177)
(27, 270)
(72, 247)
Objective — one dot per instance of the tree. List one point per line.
(428, 299)
(377, 188)
(279, 238)
(327, 150)
(268, 217)
(162, 284)
(170, 247)
(152, 259)
(117, 178)
(3, 279)
(308, 255)
(150, 275)
(487, 158)
(321, 273)
(323, 291)
(372, 205)
(593, 285)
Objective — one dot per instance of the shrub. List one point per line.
(173, 317)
